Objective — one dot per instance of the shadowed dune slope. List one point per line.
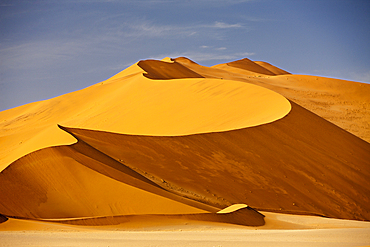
(3, 218)
(301, 164)
(272, 68)
(79, 181)
(166, 70)
(246, 64)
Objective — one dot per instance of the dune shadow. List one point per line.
(160, 70)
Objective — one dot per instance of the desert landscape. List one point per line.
(172, 153)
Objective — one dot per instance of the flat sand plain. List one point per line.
(279, 230)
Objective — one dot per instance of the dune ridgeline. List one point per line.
(171, 140)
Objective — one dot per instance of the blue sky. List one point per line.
(52, 47)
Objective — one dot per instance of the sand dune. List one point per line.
(302, 150)
(166, 107)
(310, 158)
(344, 103)
(275, 70)
(247, 65)
(57, 183)
(172, 141)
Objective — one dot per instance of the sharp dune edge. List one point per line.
(171, 142)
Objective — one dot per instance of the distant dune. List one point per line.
(174, 141)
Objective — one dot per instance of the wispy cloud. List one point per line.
(218, 24)
(41, 54)
(150, 29)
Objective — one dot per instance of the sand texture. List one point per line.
(171, 144)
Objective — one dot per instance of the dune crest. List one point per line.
(167, 107)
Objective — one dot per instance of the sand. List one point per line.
(344, 103)
(280, 230)
(165, 108)
(224, 238)
(175, 151)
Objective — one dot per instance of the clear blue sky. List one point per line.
(52, 47)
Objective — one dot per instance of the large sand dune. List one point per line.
(173, 141)
(133, 104)
(344, 103)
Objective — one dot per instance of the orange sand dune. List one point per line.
(165, 107)
(285, 165)
(175, 140)
(344, 103)
(272, 68)
(246, 65)
(291, 162)
(57, 182)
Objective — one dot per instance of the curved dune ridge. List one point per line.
(133, 104)
(173, 141)
(249, 67)
(344, 103)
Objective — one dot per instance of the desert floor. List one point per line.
(280, 230)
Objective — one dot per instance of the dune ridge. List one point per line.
(344, 103)
(173, 140)
(167, 107)
(249, 65)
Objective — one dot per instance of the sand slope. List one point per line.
(292, 162)
(283, 166)
(247, 65)
(165, 107)
(280, 230)
(179, 141)
(344, 103)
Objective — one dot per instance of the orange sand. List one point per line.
(165, 108)
(171, 142)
